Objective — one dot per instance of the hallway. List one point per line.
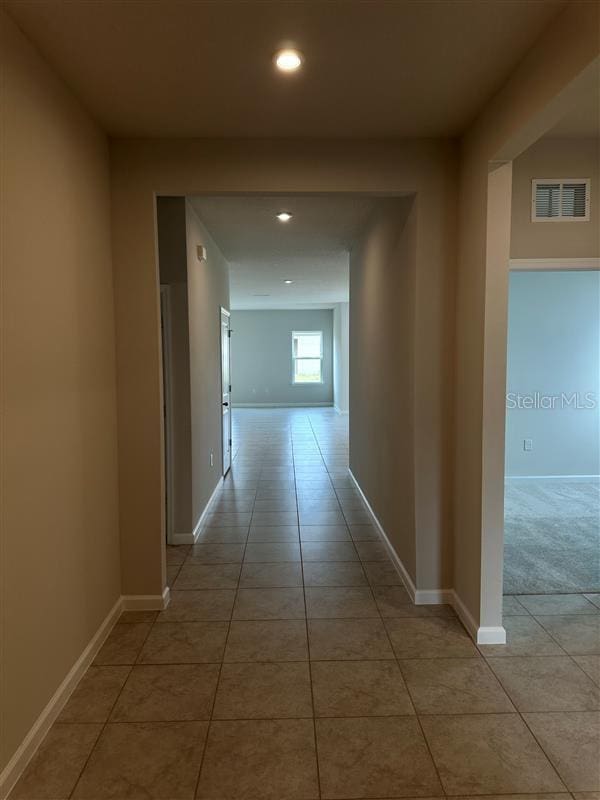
(288, 625)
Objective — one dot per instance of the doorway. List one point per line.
(552, 500)
(165, 331)
(226, 389)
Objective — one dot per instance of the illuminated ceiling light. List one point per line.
(284, 216)
(288, 282)
(288, 60)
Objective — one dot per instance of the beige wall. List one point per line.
(382, 360)
(181, 410)
(60, 572)
(172, 254)
(197, 291)
(143, 168)
(208, 291)
(534, 99)
(555, 158)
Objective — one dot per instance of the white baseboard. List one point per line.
(396, 561)
(129, 602)
(13, 770)
(552, 478)
(340, 412)
(282, 405)
(206, 512)
(465, 615)
(147, 602)
(491, 635)
(422, 597)
(432, 597)
(192, 536)
(480, 634)
(181, 538)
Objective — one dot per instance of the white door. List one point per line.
(226, 389)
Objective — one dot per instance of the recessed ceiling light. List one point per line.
(288, 60)
(284, 216)
(288, 282)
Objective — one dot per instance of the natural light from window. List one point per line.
(307, 357)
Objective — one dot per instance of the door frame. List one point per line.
(228, 315)
(167, 378)
(535, 265)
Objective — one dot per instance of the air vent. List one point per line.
(561, 200)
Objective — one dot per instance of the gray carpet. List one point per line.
(551, 537)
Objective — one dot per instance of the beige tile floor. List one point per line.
(291, 664)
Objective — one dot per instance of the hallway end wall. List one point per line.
(60, 563)
(261, 357)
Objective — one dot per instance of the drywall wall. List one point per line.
(341, 357)
(382, 381)
(59, 565)
(141, 168)
(196, 290)
(172, 255)
(555, 158)
(261, 357)
(536, 96)
(553, 373)
(208, 291)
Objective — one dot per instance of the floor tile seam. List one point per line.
(501, 685)
(107, 720)
(295, 660)
(395, 715)
(522, 711)
(310, 677)
(417, 717)
(542, 748)
(594, 613)
(554, 639)
(205, 744)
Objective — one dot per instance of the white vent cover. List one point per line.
(560, 200)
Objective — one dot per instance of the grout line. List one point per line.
(310, 677)
(201, 764)
(112, 708)
(104, 724)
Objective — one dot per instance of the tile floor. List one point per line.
(291, 664)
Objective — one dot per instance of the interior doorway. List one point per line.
(165, 331)
(226, 388)
(552, 500)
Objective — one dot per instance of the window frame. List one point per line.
(320, 382)
(560, 217)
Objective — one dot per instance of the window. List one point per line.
(560, 200)
(307, 357)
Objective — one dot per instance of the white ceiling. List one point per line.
(311, 249)
(374, 68)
